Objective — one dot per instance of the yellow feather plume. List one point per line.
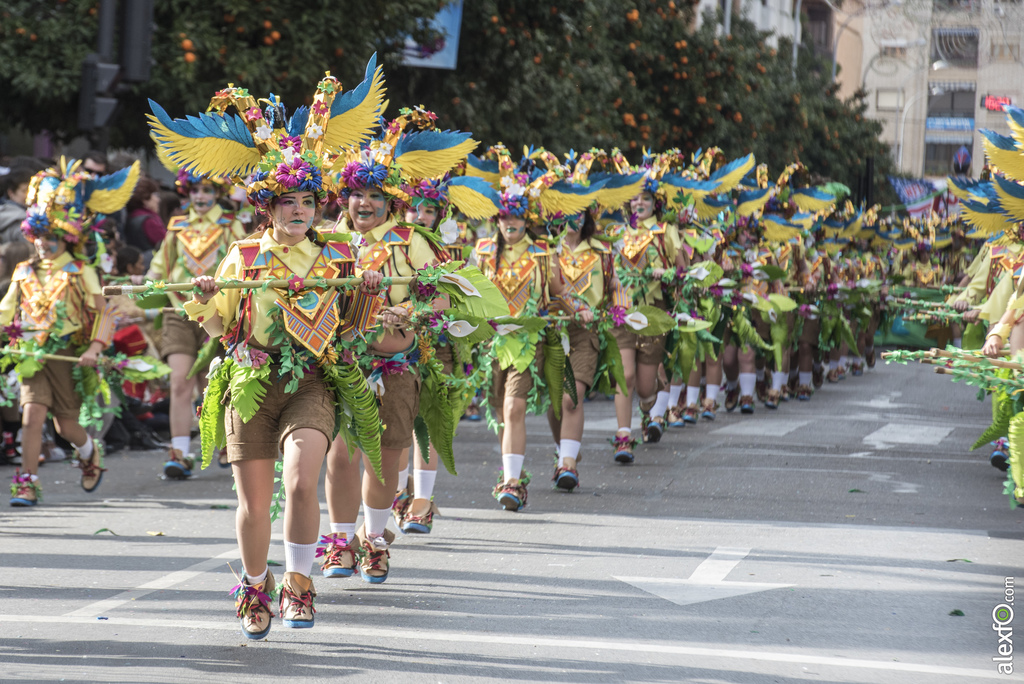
(109, 201)
(210, 155)
(616, 197)
(1010, 162)
(357, 124)
(471, 203)
(555, 201)
(431, 163)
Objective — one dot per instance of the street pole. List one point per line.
(728, 18)
(796, 33)
(900, 141)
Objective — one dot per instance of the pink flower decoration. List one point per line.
(320, 108)
(253, 113)
(292, 142)
(290, 175)
(258, 358)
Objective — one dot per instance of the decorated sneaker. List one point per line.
(746, 404)
(803, 393)
(675, 418)
(25, 492)
(623, 445)
(512, 496)
(566, 478)
(296, 603)
(420, 524)
(834, 376)
(784, 393)
(373, 556)
(222, 458)
(400, 505)
(856, 369)
(772, 399)
(178, 466)
(691, 413)
(732, 399)
(842, 372)
(1000, 458)
(252, 606)
(339, 560)
(652, 428)
(708, 408)
(92, 470)
(818, 376)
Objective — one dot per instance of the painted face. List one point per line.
(49, 247)
(203, 196)
(512, 228)
(424, 215)
(642, 205)
(367, 209)
(293, 214)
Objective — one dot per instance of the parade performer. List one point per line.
(194, 245)
(289, 389)
(55, 306)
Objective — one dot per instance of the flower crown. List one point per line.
(184, 181)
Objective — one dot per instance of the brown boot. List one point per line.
(297, 594)
(373, 555)
(252, 606)
(92, 469)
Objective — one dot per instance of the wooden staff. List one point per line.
(112, 290)
(45, 357)
(943, 370)
(998, 363)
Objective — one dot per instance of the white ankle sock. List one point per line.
(375, 520)
(760, 374)
(347, 529)
(843, 361)
(779, 380)
(403, 478)
(568, 448)
(673, 394)
(747, 382)
(660, 405)
(692, 395)
(250, 580)
(730, 385)
(299, 558)
(512, 464)
(85, 451)
(182, 444)
(423, 483)
(34, 478)
(958, 342)
(833, 365)
(711, 391)
(805, 378)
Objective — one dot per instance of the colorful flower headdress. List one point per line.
(283, 154)
(66, 201)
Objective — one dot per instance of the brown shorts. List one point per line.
(446, 355)
(280, 414)
(53, 387)
(650, 351)
(511, 383)
(809, 334)
(399, 407)
(181, 336)
(584, 350)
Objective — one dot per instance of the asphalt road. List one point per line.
(828, 541)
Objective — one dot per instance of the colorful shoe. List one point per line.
(9, 451)
(760, 390)
(623, 445)
(1000, 458)
(296, 602)
(818, 376)
(771, 401)
(373, 556)
(512, 497)
(691, 413)
(784, 394)
(92, 470)
(834, 376)
(652, 429)
(856, 369)
(747, 404)
(222, 458)
(732, 399)
(675, 418)
(842, 372)
(420, 524)
(708, 409)
(178, 466)
(339, 560)
(803, 393)
(566, 478)
(252, 606)
(400, 505)
(25, 492)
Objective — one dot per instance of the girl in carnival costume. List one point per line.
(195, 245)
(55, 306)
(290, 388)
(525, 269)
(400, 363)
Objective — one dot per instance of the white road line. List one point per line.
(761, 428)
(719, 564)
(865, 455)
(560, 644)
(106, 605)
(907, 433)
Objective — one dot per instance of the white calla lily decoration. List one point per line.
(636, 320)
(461, 328)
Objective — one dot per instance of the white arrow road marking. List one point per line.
(907, 433)
(772, 428)
(707, 582)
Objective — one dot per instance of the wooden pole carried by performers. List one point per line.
(276, 283)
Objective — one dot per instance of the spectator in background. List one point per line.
(170, 205)
(130, 262)
(12, 254)
(12, 211)
(144, 229)
(96, 162)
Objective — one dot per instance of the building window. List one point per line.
(957, 5)
(957, 47)
(888, 98)
(893, 51)
(938, 157)
(956, 104)
(1005, 49)
(819, 26)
